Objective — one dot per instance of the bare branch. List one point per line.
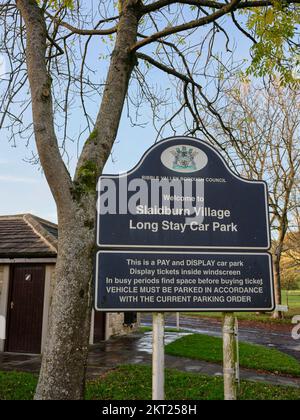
(166, 69)
(86, 32)
(186, 26)
(208, 3)
(42, 106)
(241, 29)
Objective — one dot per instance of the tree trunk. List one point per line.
(62, 375)
(277, 263)
(64, 362)
(277, 286)
(283, 228)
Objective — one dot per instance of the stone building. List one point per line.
(28, 251)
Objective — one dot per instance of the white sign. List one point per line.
(296, 330)
(282, 308)
(184, 159)
(2, 327)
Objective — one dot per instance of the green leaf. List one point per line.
(274, 27)
(58, 4)
(270, 16)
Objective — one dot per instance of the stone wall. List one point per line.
(115, 325)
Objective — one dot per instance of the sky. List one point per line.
(23, 188)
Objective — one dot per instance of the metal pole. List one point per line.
(178, 321)
(229, 351)
(158, 357)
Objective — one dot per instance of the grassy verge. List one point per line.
(243, 316)
(17, 385)
(292, 297)
(168, 330)
(209, 349)
(134, 383)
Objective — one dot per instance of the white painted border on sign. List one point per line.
(175, 309)
(126, 174)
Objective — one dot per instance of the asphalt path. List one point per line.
(279, 338)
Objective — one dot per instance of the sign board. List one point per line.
(182, 232)
(282, 308)
(182, 195)
(180, 281)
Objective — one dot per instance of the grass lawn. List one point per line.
(293, 298)
(17, 385)
(134, 383)
(209, 349)
(294, 309)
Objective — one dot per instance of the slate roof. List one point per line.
(27, 236)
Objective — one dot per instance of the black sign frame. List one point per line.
(105, 244)
(195, 308)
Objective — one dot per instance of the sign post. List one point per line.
(182, 232)
(158, 357)
(178, 321)
(237, 339)
(229, 357)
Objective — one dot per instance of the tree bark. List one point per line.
(277, 284)
(62, 375)
(277, 262)
(64, 363)
(40, 82)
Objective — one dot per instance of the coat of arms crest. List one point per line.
(184, 158)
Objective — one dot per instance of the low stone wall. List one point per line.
(115, 325)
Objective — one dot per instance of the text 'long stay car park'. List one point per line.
(182, 232)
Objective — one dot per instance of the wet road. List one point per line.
(281, 340)
(137, 349)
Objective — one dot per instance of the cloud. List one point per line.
(16, 179)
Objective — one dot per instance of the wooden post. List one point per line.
(178, 321)
(229, 356)
(158, 357)
(237, 355)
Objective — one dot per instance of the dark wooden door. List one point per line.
(99, 326)
(25, 309)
